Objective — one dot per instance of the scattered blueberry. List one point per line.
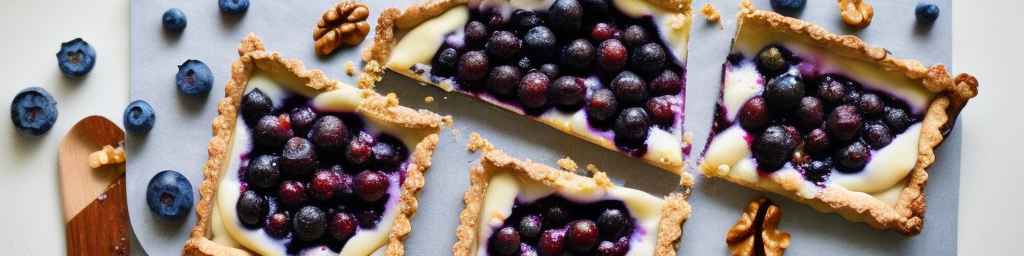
(139, 117)
(302, 119)
(602, 31)
(530, 227)
(169, 195)
(549, 70)
(233, 6)
(33, 111)
(539, 41)
(194, 78)
(388, 154)
(526, 20)
(817, 143)
(76, 58)
(788, 5)
(613, 223)
(555, 216)
(174, 20)
(831, 90)
(324, 184)
(360, 149)
(926, 12)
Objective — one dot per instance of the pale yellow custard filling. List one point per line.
(228, 230)
(413, 53)
(504, 189)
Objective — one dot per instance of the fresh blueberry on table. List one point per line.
(76, 58)
(233, 6)
(926, 12)
(169, 195)
(139, 117)
(33, 111)
(174, 20)
(194, 78)
(788, 5)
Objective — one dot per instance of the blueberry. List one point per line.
(324, 184)
(817, 143)
(255, 105)
(530, 227)
(504, 80)
(668, 82)
(608, 248)
(302, 119)
(309, 223)
(634, 36)
(368, 218)
(342, 226)
(174, 20)
(251, 208)
(568, 92)
(278, 225)
(871, 104)
(648, 59)
(663, 109)
(550, 70)
(503, 45)
(371, 185)
(612, 223)
(852, 158)
(629, 88)
(233, 6)
(753, 115)
(578, 55)
(602, 31)
(445, 62)
(360, 149)
(612, 55)
(526, 20)
(329, 134)
(76, 58)
(783, 93)
(139, 117)
(773, 148)
(552, 242)
(33, 111)
(533, 90)
(877, 135)
(897, 119)
(602, 107)
(844, 123)
(292, 193)
(631, 126)
(472, 67)
(817, 171)
(770, 61)
(476, 33)
(298, 159)
(566, 16)
(263, 171)
(194, 78)
(926, 13)
(555, 216)
(505, 242)
(832, 90)
(388, 154)
(810, 113)
(853, 97)
(169, 195)
(272, 131)
(788, 5)
(581, 236)
(525, 63)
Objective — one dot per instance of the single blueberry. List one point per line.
(233, 6)
(76, 58)
(169, 195)
(788, 5)
(926, 13)
(174, 20)
(139, 117)
(194, 78)
(33, 111)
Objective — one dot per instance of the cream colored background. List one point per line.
(985, 36)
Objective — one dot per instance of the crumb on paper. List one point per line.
(478, 143)
(428, 99)
(710, 13)
(108, 155)
(567, 164)
(856, 13)
(760, 218)
(350, 68)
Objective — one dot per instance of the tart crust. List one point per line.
(906, 216)
(392, 22)
(253, 56)
(670, 226)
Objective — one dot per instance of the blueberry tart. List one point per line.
(516, 207)
(300, 164)
(611, 72)
(830, 121)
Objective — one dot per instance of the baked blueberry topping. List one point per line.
(324, 184)
(302, 119)
(387, 154)
(853, 157)
(505, 242)
(667, 82)
(272, 131)
(568, 227)
(139, 117)
(810, 113)
(871, 104)
(634, 36)
(566, 16)
(278, 225)
(568, 92)
(602, 106)
(472, 67)
(360, 149)
(582, 236)
(612, 223)
(578, 55)
(555, 216)
(897, 119)
(169, 195)
(263, 171)
(194, 78)
(76, 58)
(292, 193)
(844, 123)
(533, 90)
(831, 90)
(33, 111)
(371, 185)
(552, 242)
(817, 143)
(612, 55)
(877, 135)
(309, 223)
(504, 80)
(539, 41)
(174, 20)
(298, 158)
(342, 226)
(530, 227)
(662, 109)
(476, 33)
(549, 70)
(770, 61)
(631, 126)
(252, 208)
(602, 31)
(773, 148)
(648, 59)
(629, 88)
(329, 134)
(754, 115)
(784, 92)
(503, 45)
(526, 20)
(445, 62)
(817, 171)
(368, 218)
(926, 12)
(255, 105)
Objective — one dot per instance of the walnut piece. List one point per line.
(856, 13)
(107, 156)
(710, 13)
(756, 232)
(344, 24)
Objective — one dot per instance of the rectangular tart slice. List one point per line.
(831, 122)
(302, 164)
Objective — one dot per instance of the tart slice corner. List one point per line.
(611, 72)
(830, 121)
(291, 144)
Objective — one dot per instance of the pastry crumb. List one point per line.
(428, 99)
(108, 155)
(567, 164)
(478, 143)
(856, 13)
(710, 13)
(350, 68)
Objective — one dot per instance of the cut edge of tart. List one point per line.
(254, 57)
(674, 209)
(903, 208)
(667, 152)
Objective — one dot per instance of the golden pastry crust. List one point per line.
(673, 214)
(254, 56)
(393, 22)
(952, 93)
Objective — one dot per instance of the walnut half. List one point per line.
(108, 155)
(343, 24)
(756, 232)
(856, 13)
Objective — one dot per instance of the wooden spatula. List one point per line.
(95, 205)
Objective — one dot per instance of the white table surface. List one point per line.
(30, 212)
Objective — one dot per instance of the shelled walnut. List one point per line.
(342, 25)
(756, 232)
(856, 13)
(108, 155)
